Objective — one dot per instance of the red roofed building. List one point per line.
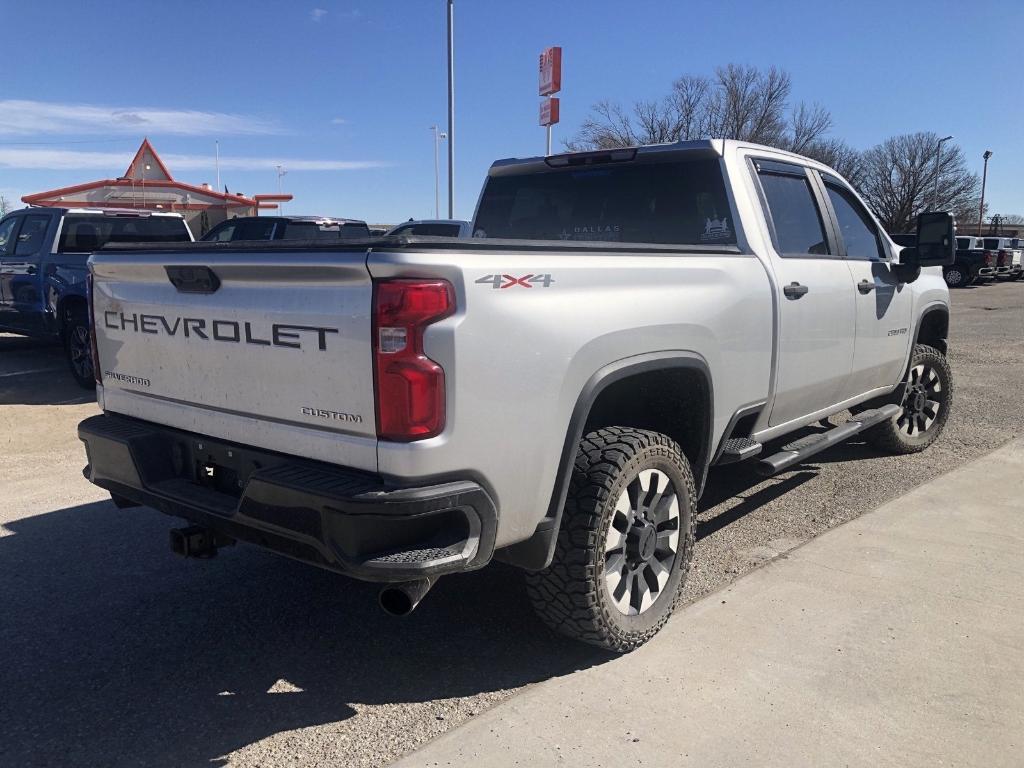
(148, 184)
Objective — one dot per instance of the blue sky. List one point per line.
(343, 92)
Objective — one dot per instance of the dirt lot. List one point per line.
(114, 652)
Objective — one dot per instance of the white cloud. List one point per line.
(23, 117)
(339, 121)
(317, 13)
(66, 159)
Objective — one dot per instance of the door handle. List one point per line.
(794, 290)
(30, 271)
(865, 286)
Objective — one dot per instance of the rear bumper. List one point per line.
(346, 521)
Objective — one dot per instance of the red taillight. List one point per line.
(409, 385)
(92, 330)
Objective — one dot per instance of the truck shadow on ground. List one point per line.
(115, 652)
(35, 372)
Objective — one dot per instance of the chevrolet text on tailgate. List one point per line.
(550, 392)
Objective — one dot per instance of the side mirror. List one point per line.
(936, 243)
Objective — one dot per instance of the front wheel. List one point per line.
(78, 348)
(625, 541)
(927, 399)
(956, 276)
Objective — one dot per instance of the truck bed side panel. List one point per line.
(517, 358)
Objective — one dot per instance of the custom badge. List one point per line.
(716, 229)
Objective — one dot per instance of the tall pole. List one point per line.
(451, 110)
(438, 137)
(938, 154)
(984, 177)
(548, 152)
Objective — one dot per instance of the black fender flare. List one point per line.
(931, 309)
(535, 553)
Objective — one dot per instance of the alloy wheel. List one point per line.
(923, 399)
(642, 542)
(80, 351)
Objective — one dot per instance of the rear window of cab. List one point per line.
(680, 202)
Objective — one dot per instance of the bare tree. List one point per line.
(836, 153)
(5, 206)
(1013, 218)
(739, 102)
(899, 179)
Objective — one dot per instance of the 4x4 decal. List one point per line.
(499, 282)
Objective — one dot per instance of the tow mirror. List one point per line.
(936, 244)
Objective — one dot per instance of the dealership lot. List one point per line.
(115, 652)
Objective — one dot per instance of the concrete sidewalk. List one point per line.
(894, 640)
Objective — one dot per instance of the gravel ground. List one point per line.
(114, 652)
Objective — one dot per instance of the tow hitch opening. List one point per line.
(196, 541)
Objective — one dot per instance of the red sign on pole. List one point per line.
(551, 71)
(549, 111)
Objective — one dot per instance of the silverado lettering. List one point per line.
(281, 334)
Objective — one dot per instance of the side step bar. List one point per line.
(802, 449)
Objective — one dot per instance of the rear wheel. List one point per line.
(78, 347)
(927, 398)
(625, 541)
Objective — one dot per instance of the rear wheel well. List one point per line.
(933, 329)
(67, 307)
(672, 401)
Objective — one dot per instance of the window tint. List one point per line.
(435, 230)
(31, 234)
(354, 230)
(855, 225)
(7, 227)
(794, 213)
(84, 234)
(222, 233)
(255, 229)
(992, 243)
(680, 202)
(963, 243)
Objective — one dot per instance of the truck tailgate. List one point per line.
(277, 354)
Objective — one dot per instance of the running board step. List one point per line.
(805, 447)
(738, 449)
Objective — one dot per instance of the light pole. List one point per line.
(145, 168)
(938, 154)
(281, 171)
(451, 110)
(439, 136)
(984, 177)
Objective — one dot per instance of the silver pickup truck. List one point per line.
(550, 392)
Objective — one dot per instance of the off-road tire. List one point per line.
(78, 348)
(889, 437)
(570, 595)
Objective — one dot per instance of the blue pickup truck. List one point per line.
(43, 254)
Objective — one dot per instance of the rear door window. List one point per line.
(682, 202)
(794, 213)
(991, 243)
